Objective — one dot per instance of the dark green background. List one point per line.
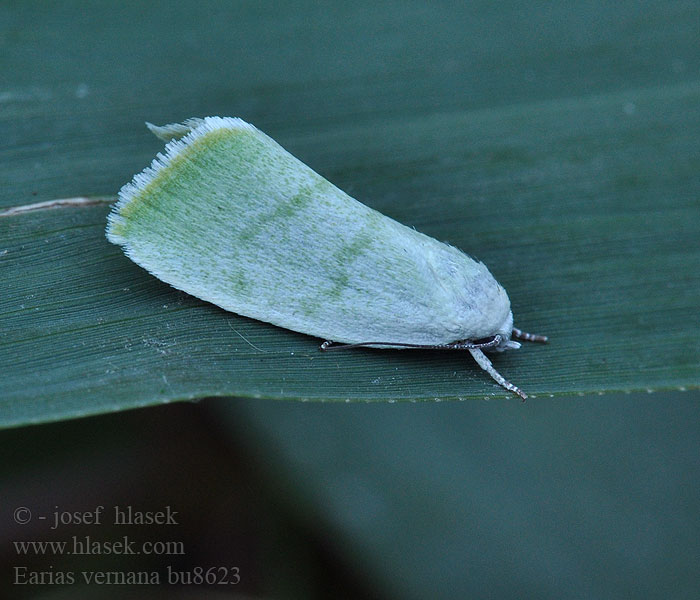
(557, 137)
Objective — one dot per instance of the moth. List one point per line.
(227, 215)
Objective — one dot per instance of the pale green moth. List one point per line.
(229, 216)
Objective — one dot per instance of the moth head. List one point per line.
(504, 333)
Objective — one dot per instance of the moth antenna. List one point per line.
(461, 345)
(529, 337)
(486, 365)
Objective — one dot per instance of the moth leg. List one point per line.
(486, 365)
(529, 337)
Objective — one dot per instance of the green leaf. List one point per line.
(578, 187)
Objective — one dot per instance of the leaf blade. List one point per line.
(615, 285)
